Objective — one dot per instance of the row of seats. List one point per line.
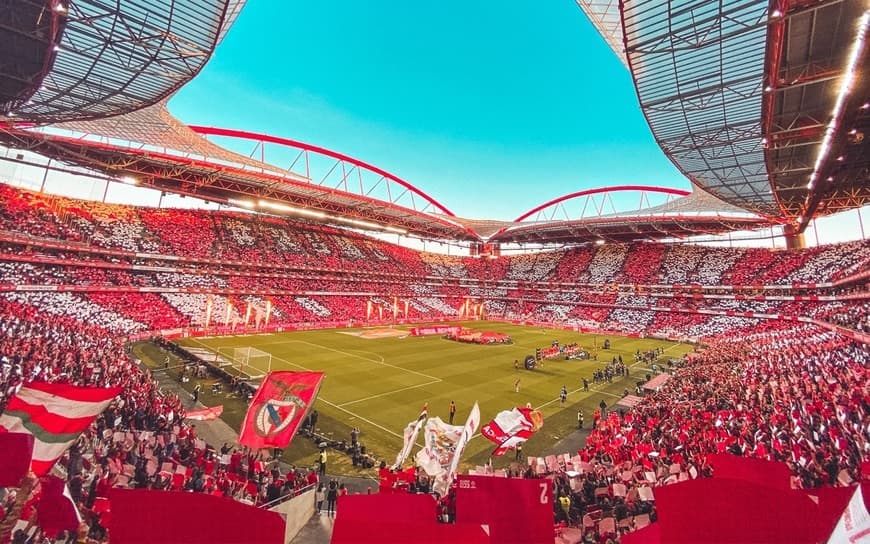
(254, 238)
(170, 306)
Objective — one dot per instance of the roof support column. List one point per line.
(794, 237)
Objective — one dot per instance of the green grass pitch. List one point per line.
(380, 384)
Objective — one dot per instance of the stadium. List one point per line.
(630, 362)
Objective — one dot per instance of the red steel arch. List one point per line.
(261, 138)
(600, 190)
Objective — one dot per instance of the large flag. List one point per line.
(442, 483)
(278, 408)
(410, 436)
(55, 414)
(16, 449)
(441, 440)
(206, 414)
(512, 427)
(854, 524)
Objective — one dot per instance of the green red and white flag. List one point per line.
(410, 436)
(278, 408)
(55, 414)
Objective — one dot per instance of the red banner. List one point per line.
(278, 409)
(756, 471)
(517, 511)
(399, 518)
(173, 517)
(721, 510)
(16, 449)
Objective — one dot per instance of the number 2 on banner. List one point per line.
(544, 493)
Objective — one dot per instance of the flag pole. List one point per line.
(21, 498)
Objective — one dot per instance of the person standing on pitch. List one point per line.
(579, 419)
(517, 386)
(563, 395)
(452, 411)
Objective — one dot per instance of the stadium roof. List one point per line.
(748, 100)
(153, 149)
(88, 59)
(690, 214)
(604, 15)
(818, 157)
(752, 99)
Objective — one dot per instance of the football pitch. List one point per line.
(379, 379)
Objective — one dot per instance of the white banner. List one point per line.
(442, 483)
(441, 440)
(854, 524)
(410, 436)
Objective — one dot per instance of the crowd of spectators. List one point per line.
(787, 395)
(142, 440)
(785, 392)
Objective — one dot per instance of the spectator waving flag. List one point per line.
(410, 436)
(278, 408)
(512, 427)
(55, 414)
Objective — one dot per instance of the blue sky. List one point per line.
(491, 107)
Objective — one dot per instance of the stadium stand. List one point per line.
(78, 277)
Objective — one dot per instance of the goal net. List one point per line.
(250, 363)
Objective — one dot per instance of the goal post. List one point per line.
(251, 363)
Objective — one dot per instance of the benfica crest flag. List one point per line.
(278, 409)
(55, 414)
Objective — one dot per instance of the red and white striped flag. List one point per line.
(55, 414)
(512, 427)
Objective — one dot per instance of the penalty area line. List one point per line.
(320, 398)
(370, 422)
(370, 360)
(390, 392)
